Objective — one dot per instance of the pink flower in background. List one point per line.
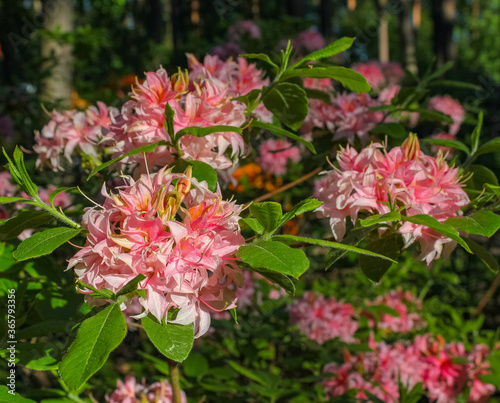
(69, 131)
(399, 301)
(323, 319)
(189, 264)
(388, 94)
(447, 151)
(242, 29)
(131, 391)
(421, 183)
(451, 107)
(7, 189)
(373, 74)
(309, 41)
(227, 50)
(380, 75)
(275, 154)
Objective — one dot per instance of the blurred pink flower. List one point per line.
(189, 264)
(7, 189)
(309, 41)
(451, 107)
(242, 29)
(275, 154)
(420, 183)
(323, 319)
(380, 75)
(72, 130)
(132, 392)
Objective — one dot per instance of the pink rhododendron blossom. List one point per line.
(380, 75)
(72, 130)
(227, 50)
(275, 154)
(131, 391)
(429, 361)
(451, 107)
(241, 77)
(142, 120)
(7, 189)
(388, 94)
(323, 319)
(309, 41)
(420, 183)
(399, 301)
(242, 29)
(189, 263)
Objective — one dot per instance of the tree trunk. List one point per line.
(58, 85)
(443, 15)
(326, 17)
(177, 23)
(383, 32)
(408, 35)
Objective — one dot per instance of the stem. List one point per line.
(489, 294)
(288, 186)
(175, 381)
(57, 214)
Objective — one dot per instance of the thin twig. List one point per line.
(489, 294)
(288, 186)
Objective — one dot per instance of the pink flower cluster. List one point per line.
(275, 154)
(243, 28)
(348, 116)
(380, 75)
(451, 107)
(7, 189)
(240, 76)
(189, 263)
(131, 391)
(432, 362)
(323, 319)
(204, 103)
(72, 130)
(309, 41)
(399, 301)
(420, 183)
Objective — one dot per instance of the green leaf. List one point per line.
(382, 309)
(28, 184)
(131, 285)
(491, 146)
(380, 218)
(43, 243)
(330, 244)
(488, 259)
(53, 194)
(431, 222)
(169, 121)
(204, 172)
(268, 214)
(198, 131)
(347, 77)
(332, 49)
(494, 189)
(354, 236)
(288, 102)
(480, 177)
(196, 364)
(389, 246)
(282, 132)
(477, 133)
(300, 208)
(448, 143)
(263, 57)
(280, 279)
(6, 397)
(431, 115)
(148, 148)
(24, 220)
(372, 397)
(313, 93)
(454, 84)
(254, 224)
(96, 338)
(484, 222)
(440, 71)
(394, 130)
(39, 356)
(173, 341)
(248, 373)
(274, 256)
(5, 200)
